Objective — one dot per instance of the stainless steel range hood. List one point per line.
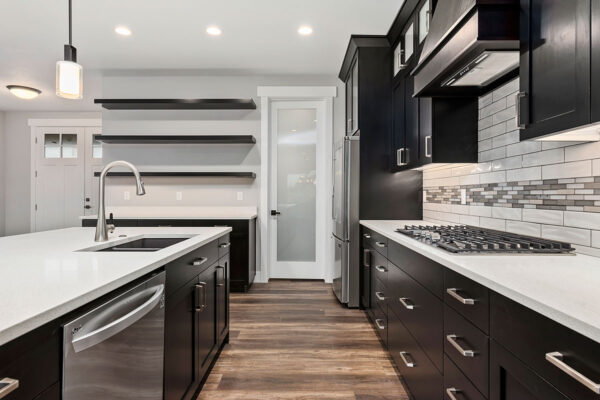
(472, 45)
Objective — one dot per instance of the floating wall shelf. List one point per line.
(250, 175)
(177, 104)
(176, 139)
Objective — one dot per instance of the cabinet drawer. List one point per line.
(34, 360)
(422, 377)
(380, 294)
(375, 241)
(380, 323)
(535, 340)
(457, 385)
(469, 298)
(379, 267)
(467, 347)
(190, 265)
(224, 243)
(421, 313)
(425, 271)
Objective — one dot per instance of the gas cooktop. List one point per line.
(465, 239)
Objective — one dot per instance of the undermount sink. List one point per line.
(147, 244)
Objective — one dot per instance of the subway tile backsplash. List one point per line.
(543, 189)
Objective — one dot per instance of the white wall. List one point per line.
(17, 166)
(2, 156)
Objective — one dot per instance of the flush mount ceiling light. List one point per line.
(24, 92)
(305, 30)
(69, 74)
(123, 31)
(213, 30)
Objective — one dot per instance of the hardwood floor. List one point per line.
(293, 340)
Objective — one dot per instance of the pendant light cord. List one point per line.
(70, 26)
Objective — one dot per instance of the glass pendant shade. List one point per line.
(69, 80)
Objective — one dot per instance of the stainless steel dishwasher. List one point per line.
(115, 351)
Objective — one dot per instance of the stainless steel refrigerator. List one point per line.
(346, 171)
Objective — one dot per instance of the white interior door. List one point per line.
(59, 177)
(297, 186)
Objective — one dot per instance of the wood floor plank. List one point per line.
(293, 340)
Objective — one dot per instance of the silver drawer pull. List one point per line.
(454, 293)
(465, 353)
(199, 261)
(379, 324)
(11, 385)
(379, 296)
(406, 359)
(451, 393)
(408, 306)
(380, 244)
(556, 358)
(225, 245)
(381, 268)
(366, 236)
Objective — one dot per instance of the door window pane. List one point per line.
(409, 42)
(51, 145)
(423, 22)
(69, 145)
(96, 149)
(296, 184)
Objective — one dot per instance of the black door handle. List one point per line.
(87, 207)
(275, 212)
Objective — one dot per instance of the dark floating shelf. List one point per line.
(177, 104)
(251, 175)
(176, 139)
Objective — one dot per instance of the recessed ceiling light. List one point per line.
(213, 30)
(305, 30)
(123, 30)
(24, 92)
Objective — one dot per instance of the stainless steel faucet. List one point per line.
(101, 227)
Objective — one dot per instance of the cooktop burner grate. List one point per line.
(470, 239)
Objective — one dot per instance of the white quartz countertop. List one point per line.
(564, 288)
(44, 275)
(184, 212)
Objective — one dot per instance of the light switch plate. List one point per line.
(240, 196)
(126, 195)
(463, 196)
(178, 195)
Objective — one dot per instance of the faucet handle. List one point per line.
(110, 228)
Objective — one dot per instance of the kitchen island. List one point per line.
(49, 278)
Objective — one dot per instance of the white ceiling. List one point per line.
(259, 37)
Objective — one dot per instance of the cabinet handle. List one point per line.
(379, 296)
(220, 284)
(379, 324)
(200, 297)
(556, 359)
(366, 236)
(199, 261)
(407, 361)
(465, 353)
(400, 157)
(381, 268)
(401, 66)
(8, 386)
(225, 245)
(405, 304)
(451, 393)
(380, 244)
(519, 97)
(428, 146)
(454, 293)
(204, 284)
(366, 257)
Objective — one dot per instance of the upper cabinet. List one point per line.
(412, 37)
(352, 100)
(555, 66)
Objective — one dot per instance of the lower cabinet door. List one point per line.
(510, 379)
(181, 330)
(222, 294)
(205, 301)
(456, 384)
(422, 377)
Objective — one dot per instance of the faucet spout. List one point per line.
(101, 227)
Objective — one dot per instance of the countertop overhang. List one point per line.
(184, 212)
(45, 275)
(564, 288)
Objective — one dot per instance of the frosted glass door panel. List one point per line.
(296, 184)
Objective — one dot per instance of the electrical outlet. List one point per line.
(178, 196)
(463, 196)
(240, 196)
(126, 195)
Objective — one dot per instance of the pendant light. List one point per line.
(69, 74)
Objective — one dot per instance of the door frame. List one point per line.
(35, 124)
(268, 95)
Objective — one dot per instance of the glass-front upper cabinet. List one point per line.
(352, 100)
(408, 41)
(424, 16)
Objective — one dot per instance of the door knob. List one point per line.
(275, 212)
(87, 207)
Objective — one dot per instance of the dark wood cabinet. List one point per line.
(555, 66)
(206, 308)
